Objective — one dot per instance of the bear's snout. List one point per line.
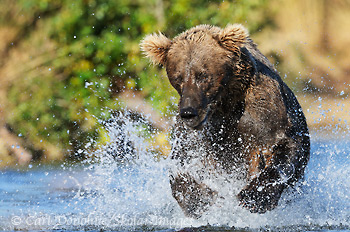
(188, 113)
(191, 117)
(193, 109)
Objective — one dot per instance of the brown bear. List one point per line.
(236, 113)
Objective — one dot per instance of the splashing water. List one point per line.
(124, 186)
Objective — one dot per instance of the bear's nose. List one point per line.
(188, 113)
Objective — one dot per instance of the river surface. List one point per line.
(136, 196)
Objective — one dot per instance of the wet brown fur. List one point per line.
(230, 92)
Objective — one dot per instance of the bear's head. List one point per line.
(205, 65)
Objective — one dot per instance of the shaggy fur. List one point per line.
(249, 120)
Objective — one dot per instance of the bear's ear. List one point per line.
(233, 37)
(155, 47)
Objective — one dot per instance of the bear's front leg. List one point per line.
(263, 192)
(193, 197)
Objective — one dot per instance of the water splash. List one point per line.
(128, 183)
(139, 193)
(125, 186)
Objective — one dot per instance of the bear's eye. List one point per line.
(176, 80)
(178, 77)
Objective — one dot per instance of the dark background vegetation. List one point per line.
(66, 64)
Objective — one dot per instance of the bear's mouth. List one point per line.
(197, 122)
(196, 116)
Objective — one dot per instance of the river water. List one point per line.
(134, 195)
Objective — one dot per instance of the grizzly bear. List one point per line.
(237, 119)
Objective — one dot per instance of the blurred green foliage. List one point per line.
(97, 56)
